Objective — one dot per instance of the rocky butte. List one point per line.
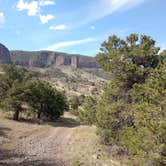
(4, 55)
(45, 59)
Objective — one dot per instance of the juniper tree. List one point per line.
(131, 111)
(14, 88)
(48, 101)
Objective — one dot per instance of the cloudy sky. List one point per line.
(78, 26)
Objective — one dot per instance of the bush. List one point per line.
(75, 103)
(15, 87)
(18, 88)
(47, 101)
(87, 114)
(131, 111)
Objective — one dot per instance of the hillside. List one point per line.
(81, 78)
(80, 81)
(73, 74)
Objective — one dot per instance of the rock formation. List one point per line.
(75, 61)
(4, 55)
(45, 59)
(63, 60)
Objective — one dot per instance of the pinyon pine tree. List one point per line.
(131, 112)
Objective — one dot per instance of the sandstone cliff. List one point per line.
(4, 55)
(45, 59)
(48, 58)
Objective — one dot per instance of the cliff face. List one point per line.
(32, 59)
(4, 55)
(45, 59)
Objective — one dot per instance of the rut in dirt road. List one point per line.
(47, 147)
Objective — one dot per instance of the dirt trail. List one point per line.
(45, 146)
(60, 143)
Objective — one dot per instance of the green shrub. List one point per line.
(76, 102)
(87, 114)
(131, 112)
(47, 101)
(18, 87)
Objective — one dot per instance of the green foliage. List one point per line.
(14, 88)
(110, 118)
(47, 101)
(131, 112)
(129, 60)
(19, 87)
(88, 112)
(75, 103)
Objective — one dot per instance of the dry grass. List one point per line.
(81, 148)
(74, 81)
(11, 131)
(87, 151)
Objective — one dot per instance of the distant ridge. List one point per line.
(49, 58)
(4, 55)
(45, 59)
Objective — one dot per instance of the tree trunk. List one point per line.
(16, 115)
(39, 115)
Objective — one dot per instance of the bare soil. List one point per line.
(34, 144)
(60, 143)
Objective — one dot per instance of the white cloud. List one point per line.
(121, 4)
(70, 43)
(105, 8)
(45, 18)
(32, 7)
(2, 19)
(58, 27)
(46, 2)
(111, 6)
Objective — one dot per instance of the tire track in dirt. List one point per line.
(46, 146)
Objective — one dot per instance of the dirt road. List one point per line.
(60, 143)
(38, 145)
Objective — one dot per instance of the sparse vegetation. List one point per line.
(129, 116)
(19, 88)
(87, 114)
(75, 103)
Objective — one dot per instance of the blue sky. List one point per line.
(78, 26)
